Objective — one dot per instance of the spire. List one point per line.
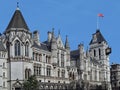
(17, 21)
(67, 43)
(59, 34)
(53, 32)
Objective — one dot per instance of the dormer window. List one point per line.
(17, 48)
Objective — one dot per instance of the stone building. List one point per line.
(22, 54)
(3, 66)
(115, 76)
(91, 69)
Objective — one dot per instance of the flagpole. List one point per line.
(97, 22)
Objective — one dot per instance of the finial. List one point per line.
(53, 32)
(66, 36)
(53, 29)
(59, 32)
(17, 5)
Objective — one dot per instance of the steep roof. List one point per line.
(2, 48)
(97, 38)
(17, 21)
(42, 46)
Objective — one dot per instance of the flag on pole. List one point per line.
(100, 15)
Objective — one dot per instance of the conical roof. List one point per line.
(97, 38)
(17, 21)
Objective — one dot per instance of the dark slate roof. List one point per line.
(74, 54)
(2, 48)
(99, 37)
(17, 21)
(41, 46)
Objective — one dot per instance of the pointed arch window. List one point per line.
(94, 53)
(27, 73)
(99, 53)
(17, 48)
(27, 49)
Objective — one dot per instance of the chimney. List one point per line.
(49, 36)
(36, 37)
(81, 48)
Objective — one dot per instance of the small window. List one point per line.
(3, 84)
(27, 49)
(94, 53)
(48, 70)
(3, 65)
(99, 53)
(17, 48)
(3, 74)
(39, 80)
(58, 73)
(33, 55)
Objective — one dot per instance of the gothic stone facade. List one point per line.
(22, 55)
(91, 67)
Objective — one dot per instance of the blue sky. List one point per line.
(75, 18)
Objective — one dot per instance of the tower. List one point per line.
(18, 43)
(99, 51)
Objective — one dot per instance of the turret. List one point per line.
(53, 42)
(81, 56)
(99, 50)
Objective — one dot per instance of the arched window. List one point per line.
(27, 73)
(17, 48)
(26, 70)
(27, 49)
(58, 72)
